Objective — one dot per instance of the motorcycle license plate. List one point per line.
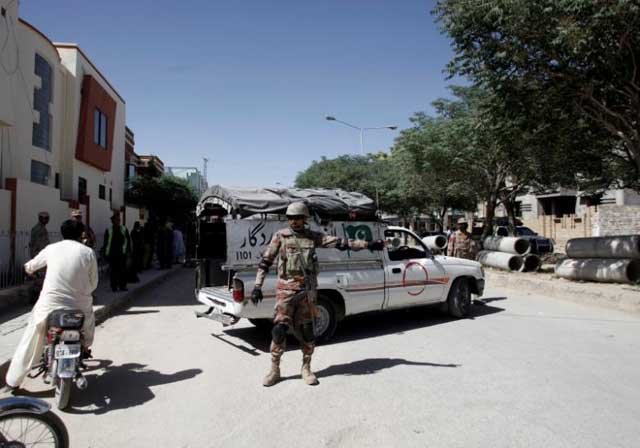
(64, 351)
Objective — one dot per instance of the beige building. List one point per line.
(62, 136)
(565, 214)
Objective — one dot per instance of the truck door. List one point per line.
(412, 276)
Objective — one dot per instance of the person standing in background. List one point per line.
(117, 245)
(137, 243)
(179, 249)
(39, 235)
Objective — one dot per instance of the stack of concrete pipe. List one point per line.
(436, 242)
(510, 253)
(610, 259)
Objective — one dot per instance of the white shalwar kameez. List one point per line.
(72, 275)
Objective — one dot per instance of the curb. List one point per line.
(109, 309)
(621, 297)
(121, 302)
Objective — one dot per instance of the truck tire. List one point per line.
(459, 299)
(327, 321)
(262, 324)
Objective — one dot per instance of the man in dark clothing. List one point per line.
(137, 243)
(165, 246)
(117, 245)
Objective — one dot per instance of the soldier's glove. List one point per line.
(256, 295)
(375, 245)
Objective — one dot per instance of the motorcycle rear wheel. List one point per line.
(63, 392)
(29, 429)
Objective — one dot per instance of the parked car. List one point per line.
(540, 245)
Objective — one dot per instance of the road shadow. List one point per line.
(134, 312)
(359, 327)
(374, 365)
(484, 301)
(369, 367)
(122, 387)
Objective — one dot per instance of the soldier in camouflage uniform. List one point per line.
(38, 241)
(460, 243)
(39, 235)
(297, 270)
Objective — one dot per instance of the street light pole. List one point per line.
(360, 129)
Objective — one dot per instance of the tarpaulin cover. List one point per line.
(326, 203)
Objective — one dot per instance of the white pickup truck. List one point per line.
(405, 274)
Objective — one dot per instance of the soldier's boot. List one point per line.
(307, 375)
(274, 374)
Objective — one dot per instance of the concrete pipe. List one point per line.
(599, 270)
(437, 242)
(500, 260)
(624, 246)
(508, 244)
(531, 263)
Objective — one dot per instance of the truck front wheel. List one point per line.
(326, 323)
(459, 299)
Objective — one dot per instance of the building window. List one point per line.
(41, 133)
(110, 195)
(57, 181)
(102, 191)
(82, 187)
(40, 172)
(100, 126)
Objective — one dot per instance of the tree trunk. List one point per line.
(492, 202)
(510, 205)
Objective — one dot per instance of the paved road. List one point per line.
(527, 371)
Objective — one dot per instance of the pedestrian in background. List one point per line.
(149, 231)
(39, 235)
(179, 249)
(117, 245)
(138, 247)
(39, 240)
(88, 236)
(460, 243)
(165, 245)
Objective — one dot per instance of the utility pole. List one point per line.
(205, 161)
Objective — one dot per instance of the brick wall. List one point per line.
(616, 220)
(564, 228)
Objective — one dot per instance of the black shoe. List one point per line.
(124, 289)
(114, 289)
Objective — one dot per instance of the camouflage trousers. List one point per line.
(294, 315)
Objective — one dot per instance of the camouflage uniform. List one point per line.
(296, 252)
(39, 239)
(461, 245)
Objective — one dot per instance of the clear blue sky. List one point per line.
(248, 83)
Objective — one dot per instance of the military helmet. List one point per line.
(462, 221)
(297, 209)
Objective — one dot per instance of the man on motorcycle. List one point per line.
(72, 275)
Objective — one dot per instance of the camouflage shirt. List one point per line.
(461, 245)
(295, 252)
(39, 239)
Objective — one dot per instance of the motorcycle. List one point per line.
(63, 355)
(26, 422)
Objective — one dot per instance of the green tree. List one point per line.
(567, 69)
(431, 157)
(165, 197)
(371, 175)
